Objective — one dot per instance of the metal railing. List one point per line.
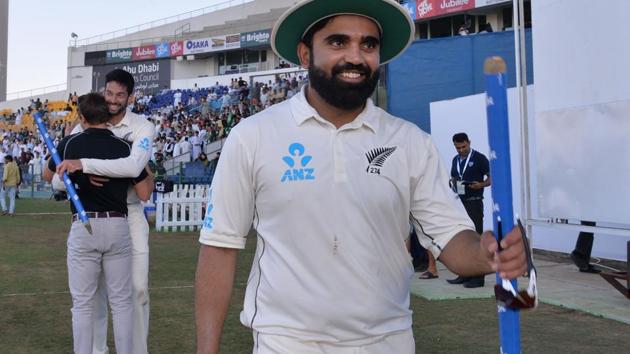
(36, 91)
(155, 23)
(33, 185)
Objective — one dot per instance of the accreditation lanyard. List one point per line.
(461, 172)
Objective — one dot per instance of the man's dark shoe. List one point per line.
(583, 264)
(474, 283)
(579, 260)
(590, 269)
(458, 280)
(419, 269)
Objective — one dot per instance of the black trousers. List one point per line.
(419, 256)
(474, 208)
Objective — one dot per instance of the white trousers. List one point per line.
(139, 231)
(105, 254)
(395, 343)
(11, 192)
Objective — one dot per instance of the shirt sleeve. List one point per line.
(230, 208)
(56, 182)
(127, 167)
(436, 212)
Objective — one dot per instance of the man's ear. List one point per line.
(304, 53)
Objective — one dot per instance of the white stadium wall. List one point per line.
(215, 18)
(191, 69)
(581, 113)
(582, 79)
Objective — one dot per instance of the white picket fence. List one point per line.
(182, 209)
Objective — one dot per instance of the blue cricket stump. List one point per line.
(72, 193)
(500, 172)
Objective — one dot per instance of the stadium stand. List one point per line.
(187, 123)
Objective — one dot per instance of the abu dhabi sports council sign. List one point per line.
(150, 76)
(255, 38)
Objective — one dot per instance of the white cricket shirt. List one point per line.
(331, 208)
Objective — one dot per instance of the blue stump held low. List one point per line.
(500, 172)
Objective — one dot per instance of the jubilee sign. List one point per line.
(431, 8)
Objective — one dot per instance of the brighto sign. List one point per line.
(120, 54)
(260, 37)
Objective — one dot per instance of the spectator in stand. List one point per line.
(241, 82)
(185, 147)
(169, 147)
(464, 29)
(3, 153)
(177, 98)
(486, 28)
(196, 145)
(205, 107)
(157, 166)
(202, 159)
(264, 95)
(35, 168)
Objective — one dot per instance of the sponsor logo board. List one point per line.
(255, 38)
(144, 52)
(431, 8)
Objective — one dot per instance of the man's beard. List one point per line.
(118, 111)
(340, 94)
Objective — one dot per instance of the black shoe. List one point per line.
(458, 280)
(579, 260)
(590, 269)
(583, 264)
(419, 269)
(477, 282)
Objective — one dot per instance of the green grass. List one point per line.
(38, 320)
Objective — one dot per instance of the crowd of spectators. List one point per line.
(199, 116)
(28, 151)
(186, 121)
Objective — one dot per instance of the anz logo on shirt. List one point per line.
(298, 165)
(144, 144)
(207, 221)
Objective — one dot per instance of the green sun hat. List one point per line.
(397, 27)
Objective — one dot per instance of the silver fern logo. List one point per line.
(376, 158)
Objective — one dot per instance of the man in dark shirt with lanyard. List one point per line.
(470, 174)
(108, 249)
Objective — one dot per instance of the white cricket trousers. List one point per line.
(395, 343)
(104, 254)
(139, 231)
